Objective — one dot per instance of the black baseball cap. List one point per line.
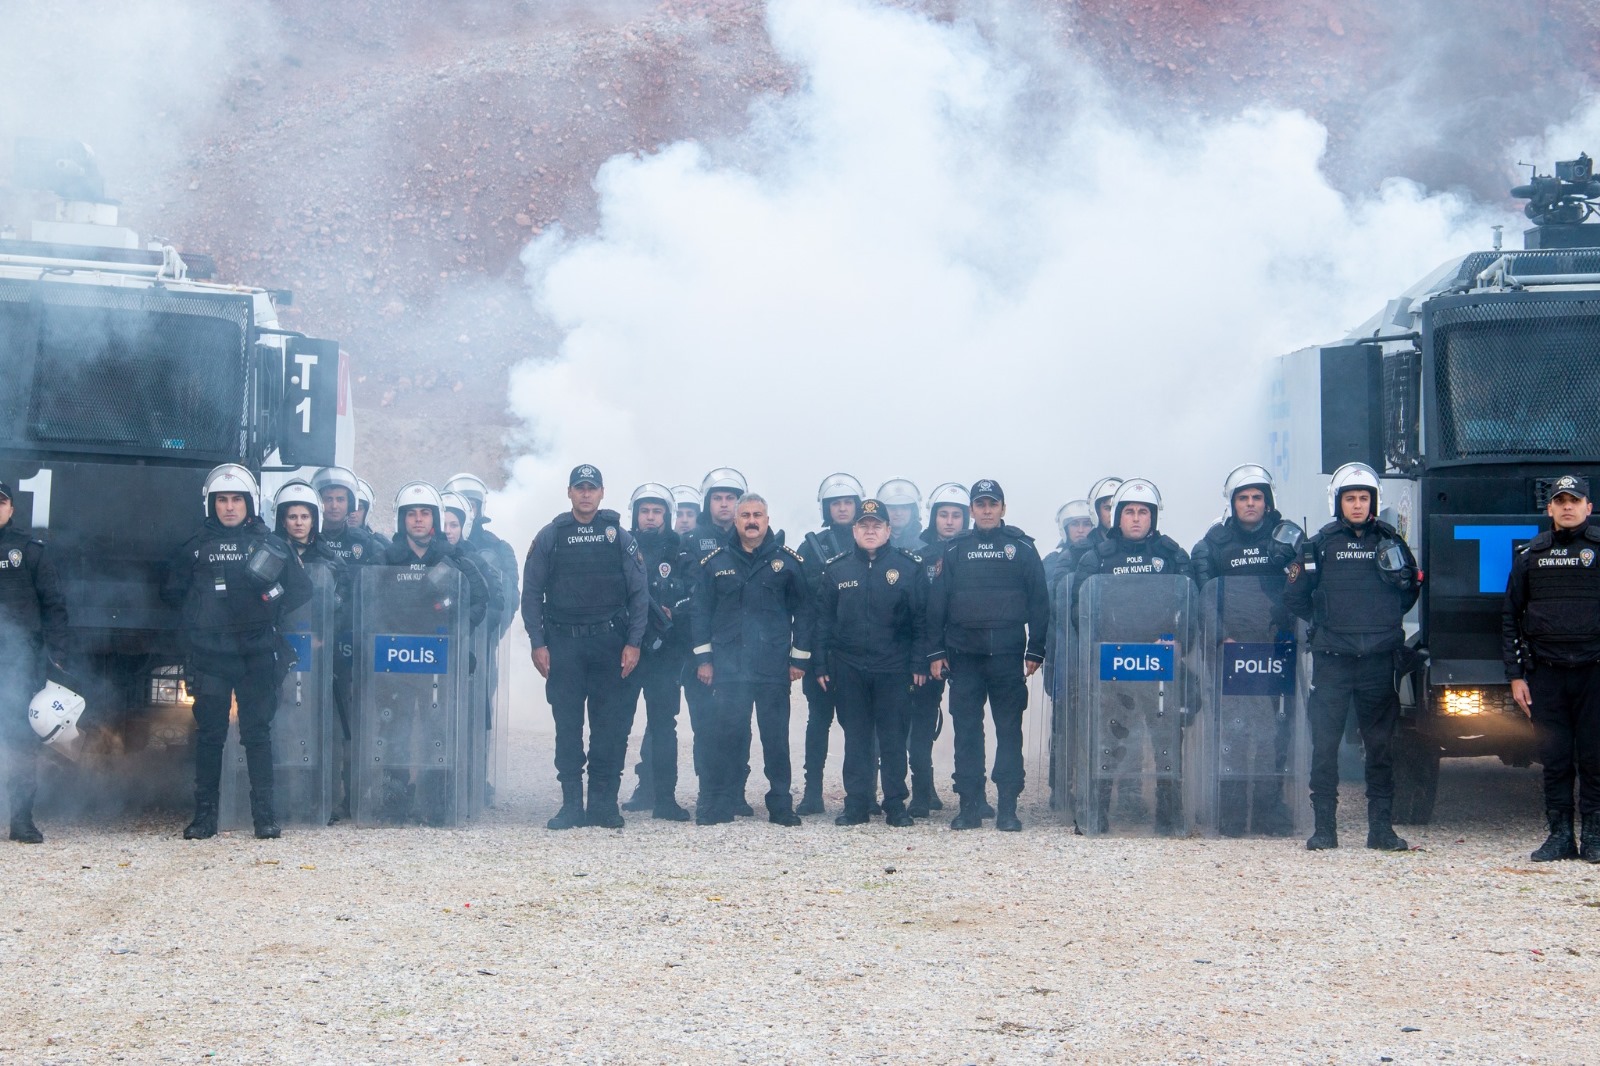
(1570, 485)
(876, 510)
(584, 474)
(5, 489)
(988, 488)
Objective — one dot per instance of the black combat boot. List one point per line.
(898, 817)
(811, 802)
(969, 816)
(1006, 819)
(934, 802)
(1325, 832)
(570, 816)
(1232, 808)
(1590, 852)
(920, 806)
(781, 811)
(710, 811)
(668, 810)
(640, 800)
(204, 825)
(263, 815)
(1380, 827)
(853, 815)
(1269, 815)
(1169, 808)
(1560, 844)
(984, 810)
(602, 812)
(20, 791)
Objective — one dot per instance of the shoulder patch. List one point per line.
(909, 554)
(708, 558)
(797, 557)
(834, 558)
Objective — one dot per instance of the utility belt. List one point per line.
(593, 629)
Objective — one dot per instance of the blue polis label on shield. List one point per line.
(408, 654)
(1136, 662)
(1257, 669)
(300, 644)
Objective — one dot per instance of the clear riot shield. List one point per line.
(476, 734)
(1251, 741)
(1053, 721)
(1135, 694)
(303, 752)
(499, 717)
(412, 664)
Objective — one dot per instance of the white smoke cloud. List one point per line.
(946, 257)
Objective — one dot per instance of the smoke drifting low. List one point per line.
(950, 254)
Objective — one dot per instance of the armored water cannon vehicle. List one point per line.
(130, 372)
(1470, 393)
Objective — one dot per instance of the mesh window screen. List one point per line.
(1517, 379)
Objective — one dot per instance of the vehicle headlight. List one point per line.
(1464, 701)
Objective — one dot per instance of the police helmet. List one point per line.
(417, 494)
(1136, 490)
(469, 487)
(298, 491)
(838, 487)
(898, 492)
(364, 496)
(651, 492)
(231, 477)
(685, 496)
(336, 477)
(1074, 509)
(1353, 476)
(1103, 489)
(461, 507)
(948, 492)
(723, 477)
(54, 712)
(1247, 476)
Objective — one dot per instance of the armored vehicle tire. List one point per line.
(1416, 777)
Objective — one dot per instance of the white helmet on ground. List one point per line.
(470, 486)
(298, 491)
(725, 478)
(54, 712)
(417, 494)
(1073, 509)
(459, 504)
(231, 477)
(1353, 476)
(1247, 476)
(1136, 490)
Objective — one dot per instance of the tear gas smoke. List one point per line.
(948, 254)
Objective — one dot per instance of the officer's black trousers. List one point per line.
(922, 720)
(872, 708)
(217, 682)
(702, 706)
(19, 680)
(586, 672)
(999, 680)
(821, 707)
(1336, 680)
(729, 753)
(656, 678)
(1566, 727)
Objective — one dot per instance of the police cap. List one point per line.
(5, 490)
(1566, 484)
(872, 511)
(584, 474)
(988, 488)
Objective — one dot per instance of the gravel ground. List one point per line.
(668, 943)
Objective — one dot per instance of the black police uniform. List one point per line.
(1252, 564)
(236, 653)
(922, 718)
(33, 632)
(659, 674)
(988, 612)
(821, 706)
(1357, 620)
(584, 596)
(503, 558)
(705, 538)
(1551, 639)
(751, 620)
(354, 546)
(1118, 556)
(871, 633)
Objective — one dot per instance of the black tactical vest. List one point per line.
(1352, 595)
(1563, 589)
(587, 584)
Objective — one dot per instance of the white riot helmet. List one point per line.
(297, 491)
(1074, 509)
(364, 496)
(469, 486)
(1136, 490)
(949, 492)
(725, 478)
(337, 477)
(54, 712)
(900, 492)
(1353, 476)
(1103, 489)
(838, 487)
(651, 492)
(685, 496)
(458, 503)
(231, 477)
(1247, 476)
(417, 494)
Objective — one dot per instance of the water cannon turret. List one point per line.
(1559, 204)
(84, 215)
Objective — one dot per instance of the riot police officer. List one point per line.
(988, 621)
(234, 581)
(1354, 581)
(500, 556)
(751, 620)
(871, 636)
(586, 603)
(1101, 494)
(33, 634)
(455, 524)
(948, 517)
(660, 672)
(718, 499)
(839, 497)
(1552, 654)
(685, 509)
(904, 501)
(363, 510)
(1076, 521)
(1251, 548)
